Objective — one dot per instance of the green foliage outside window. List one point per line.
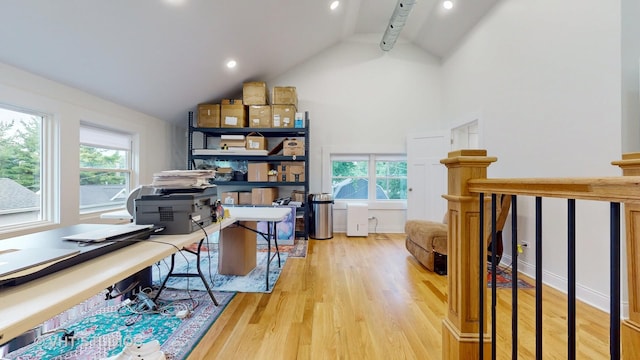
(99, 158)
(20, 151)
(20, 156)
(392, 177)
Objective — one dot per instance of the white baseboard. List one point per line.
(378, 230)
(583, 293)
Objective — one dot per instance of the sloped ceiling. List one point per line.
(161, 57)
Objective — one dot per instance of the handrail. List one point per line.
(465, 333)
(612, 189)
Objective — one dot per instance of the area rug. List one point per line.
(504, 279)
(106, 329)
(254, 281)
(298, 249)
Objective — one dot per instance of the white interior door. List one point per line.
(426, 177)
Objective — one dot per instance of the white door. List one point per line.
(426, 177)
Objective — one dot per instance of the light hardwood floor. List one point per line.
(368, 298)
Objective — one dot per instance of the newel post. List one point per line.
(630, 328)
(460, 328)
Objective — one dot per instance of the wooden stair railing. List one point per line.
(462, 336)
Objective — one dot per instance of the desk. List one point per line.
(26, 306)
(271, 215)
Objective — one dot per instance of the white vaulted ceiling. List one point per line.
(161, 57)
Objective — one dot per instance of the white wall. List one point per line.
(69, 106)
(630, 75)
(360, 98)
(545, 78)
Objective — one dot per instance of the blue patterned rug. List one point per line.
(254, 281)
(102, 330)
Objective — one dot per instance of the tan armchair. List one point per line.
(425, 239)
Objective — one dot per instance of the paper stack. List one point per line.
(174, 179)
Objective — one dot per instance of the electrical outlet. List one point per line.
(525, 244)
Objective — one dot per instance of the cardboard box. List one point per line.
(285, 95)
(260, 116)
(291, 147)
(208, 116)
(229, 198)
(223, 174)
(256, 141)
(232, 141)
(231, 101)
(258, 171)
(255, 93)
(263, 196)
(233, 115)
(297, 195)
(244, 198)
(282, 116)
(237, 250)
(291, 171)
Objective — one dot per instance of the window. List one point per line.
(105, 168)
(21, 170)
(369, 177)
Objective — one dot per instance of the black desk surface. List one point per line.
(54, 239)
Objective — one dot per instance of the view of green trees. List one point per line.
(98, 158)
(391, 176)
(20, 152)
(20, 156)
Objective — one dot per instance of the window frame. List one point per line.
(129, 168)
(49, 171)
(330, 154)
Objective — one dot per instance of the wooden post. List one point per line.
(630, 328)
(460, 328)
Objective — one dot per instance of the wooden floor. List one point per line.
(368, 298)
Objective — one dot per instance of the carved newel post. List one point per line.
(630, 328)
(460, 327)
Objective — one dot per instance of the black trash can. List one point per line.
(321, 216)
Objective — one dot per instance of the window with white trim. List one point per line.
(105, 168)
(375, 177)
(22, 174)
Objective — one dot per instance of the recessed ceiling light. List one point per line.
(175, 2)
(231, 64)
(334, 5)
(447, 4)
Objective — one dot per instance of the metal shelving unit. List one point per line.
(208, 133)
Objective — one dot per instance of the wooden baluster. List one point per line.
(630, 328)
(460, 334)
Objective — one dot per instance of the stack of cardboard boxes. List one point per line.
(255, 110)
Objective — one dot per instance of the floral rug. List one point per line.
(104, 330)
(504, 279)
(254, 281)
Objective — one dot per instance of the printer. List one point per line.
(179, 211)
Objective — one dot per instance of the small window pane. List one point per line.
(350, 179)
(100, 158)
(391, 177)
(20, 167)
(394, 189)
(105, 169)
